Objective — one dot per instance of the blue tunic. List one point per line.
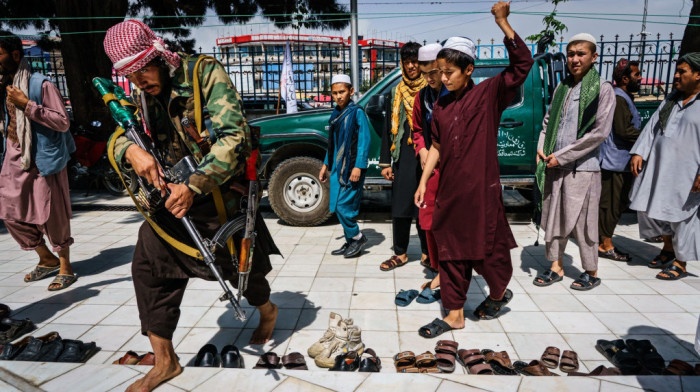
(349, 140)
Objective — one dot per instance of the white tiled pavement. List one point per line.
(309, 283)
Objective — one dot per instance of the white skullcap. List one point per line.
(341, 78)
(461, 44)
(583, 37)
(428, 52)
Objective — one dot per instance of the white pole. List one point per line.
(354, 50)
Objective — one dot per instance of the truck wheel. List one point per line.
(295, 193)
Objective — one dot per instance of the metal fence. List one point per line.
(657, 58)
(256, 72)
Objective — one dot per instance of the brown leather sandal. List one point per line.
(474, 362)
(550, 357)
(393, 262)
(268, 360)
(500, 362)
(446, 354)
(426, 361)
(569, 361)
(534, 368)
(405, 360)
(294, 361)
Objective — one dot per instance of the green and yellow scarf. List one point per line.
(588, 107)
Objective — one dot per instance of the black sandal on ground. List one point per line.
(647, 355)
(662, 259)
(613, 254)
(436, 328)
(548, 277)
(586, 282)
(11, 329)
(616, 352)
(673, 272)
(492, 308)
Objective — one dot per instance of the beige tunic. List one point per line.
(568, 190)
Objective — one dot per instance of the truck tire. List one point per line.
(295, 193)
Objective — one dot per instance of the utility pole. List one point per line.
(643, 34)
(354, 50)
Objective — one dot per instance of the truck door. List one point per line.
(516, 150)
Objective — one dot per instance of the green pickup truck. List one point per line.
(293, 146)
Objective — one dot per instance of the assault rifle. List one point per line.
(122, 111)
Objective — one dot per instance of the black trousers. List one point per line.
(401, 227)
(160, 272)
(614, 199)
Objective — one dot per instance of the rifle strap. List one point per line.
(197, 92)
(180, 246)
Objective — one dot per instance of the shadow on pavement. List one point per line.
(535, 265)
(104, 261)
(42, 310)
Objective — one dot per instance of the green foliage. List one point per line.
(552, 26)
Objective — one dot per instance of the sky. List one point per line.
(413, 20)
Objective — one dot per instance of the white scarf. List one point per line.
(24, 130)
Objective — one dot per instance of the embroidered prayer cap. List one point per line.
(693, 59)
(429, 52)
(131, 45)
(341, 78)
(583, 37)
(461, 44)
(622, 66)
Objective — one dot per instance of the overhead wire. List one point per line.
(387, 15)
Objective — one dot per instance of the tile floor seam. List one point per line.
(203, 381)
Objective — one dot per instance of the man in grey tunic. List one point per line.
(666, 161)
(568, 171)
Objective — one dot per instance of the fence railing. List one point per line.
(256, 71)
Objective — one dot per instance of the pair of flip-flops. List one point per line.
(427, 296)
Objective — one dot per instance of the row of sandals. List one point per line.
(630, 357)
(483, 362)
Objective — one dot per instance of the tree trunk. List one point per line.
(84, 57)
(691, 36)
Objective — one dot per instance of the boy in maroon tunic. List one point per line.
(469, 221)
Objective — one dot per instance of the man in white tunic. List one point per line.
(568, 171)
(666, 161)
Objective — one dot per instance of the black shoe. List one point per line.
(347, 362)
(371, 363)
(341, 250)
(355, 247)
(207, 356)
(231, 357)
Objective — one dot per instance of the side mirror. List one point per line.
(376, 105)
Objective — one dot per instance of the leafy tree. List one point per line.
(552, 27)
(691, 35)
(82, 24)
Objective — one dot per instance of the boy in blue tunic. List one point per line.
(348, 142)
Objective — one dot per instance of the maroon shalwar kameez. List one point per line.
(31, 205)
(425, 214)
(469, 222)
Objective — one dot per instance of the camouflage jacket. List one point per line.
(227, 130)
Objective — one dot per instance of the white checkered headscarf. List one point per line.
(131, 45)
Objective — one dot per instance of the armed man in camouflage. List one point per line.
(160, 272)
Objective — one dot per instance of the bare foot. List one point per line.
(434, 284)
(268, 318)
(155, 377)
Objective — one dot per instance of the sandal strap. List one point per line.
(480, 368)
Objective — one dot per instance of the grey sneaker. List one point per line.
(336, 326)
(338, 346)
